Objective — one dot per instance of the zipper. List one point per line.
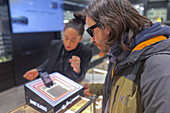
(114, 97)
(115, 68)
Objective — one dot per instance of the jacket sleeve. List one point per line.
(155, 84)
(96, 89)
(84, 64)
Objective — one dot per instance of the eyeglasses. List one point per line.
(90, 30)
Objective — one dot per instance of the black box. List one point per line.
(55, 98)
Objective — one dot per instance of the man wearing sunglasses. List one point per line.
(95, 28)
(138, 75)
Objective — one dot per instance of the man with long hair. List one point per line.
(138, 75)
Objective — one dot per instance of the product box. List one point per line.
(63, 92)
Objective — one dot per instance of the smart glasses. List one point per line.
(90, 30)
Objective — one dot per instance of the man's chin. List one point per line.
(105, 51)
(102, 49)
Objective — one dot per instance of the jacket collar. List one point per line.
(144, 50)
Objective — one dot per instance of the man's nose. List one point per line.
(92, 39)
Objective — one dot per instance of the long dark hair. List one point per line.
(77, 22)
(120, 17)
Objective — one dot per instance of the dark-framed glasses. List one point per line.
(90, 30)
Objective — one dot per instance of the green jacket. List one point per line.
(140, 83)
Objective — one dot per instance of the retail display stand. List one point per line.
(63, 92)
(65, 96)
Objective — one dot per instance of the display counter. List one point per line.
(80, 105)
(24, 109)
(64, 96)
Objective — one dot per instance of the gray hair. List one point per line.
(120, 17)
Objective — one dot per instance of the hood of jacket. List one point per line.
(162, 47)
(148, 33)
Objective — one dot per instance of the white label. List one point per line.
(38, 105)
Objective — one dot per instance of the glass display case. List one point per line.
(81, 105)
(5, 38)
(24, 109)
(65, 96)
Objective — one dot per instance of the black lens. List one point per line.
(90, 32)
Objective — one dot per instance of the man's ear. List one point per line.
(107, 30)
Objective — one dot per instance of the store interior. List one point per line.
(22, 48)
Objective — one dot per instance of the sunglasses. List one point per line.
(90, 30)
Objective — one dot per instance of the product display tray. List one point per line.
(58, 96)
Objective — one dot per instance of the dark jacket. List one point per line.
(55, 61)
(140, 81)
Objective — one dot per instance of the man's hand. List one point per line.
(87, 89)
(31, 75)
(75, 63)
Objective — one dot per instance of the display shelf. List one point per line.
(5, 47)
(5, 38)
